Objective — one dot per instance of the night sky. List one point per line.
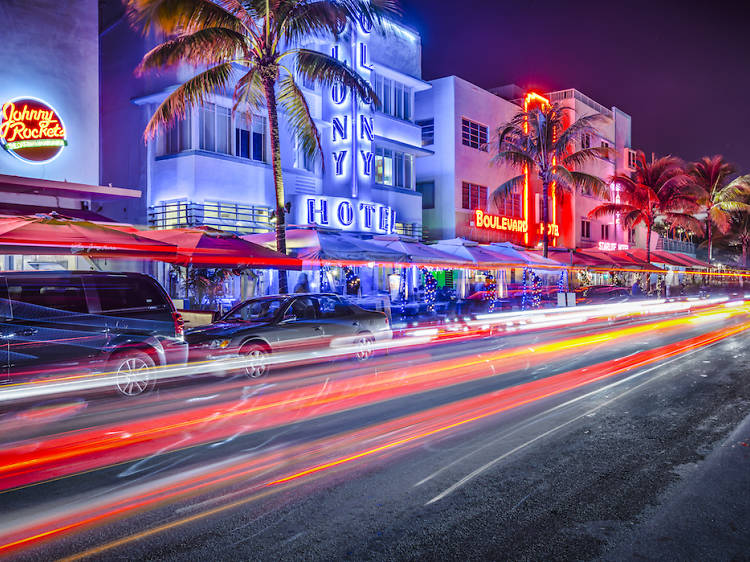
(680, 69)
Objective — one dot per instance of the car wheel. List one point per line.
(133, 373)
(363, 344)
(256, 357)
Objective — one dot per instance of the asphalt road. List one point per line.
(520, 459)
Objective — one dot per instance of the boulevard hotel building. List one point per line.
(419, 166)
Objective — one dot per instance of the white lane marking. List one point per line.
(494, 461)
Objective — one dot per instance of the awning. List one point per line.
(314, 245)
(518, 254)
(482, 256)
(55, 235)
(20, 184)
(207, 247)
(16, 210)
(419, 253)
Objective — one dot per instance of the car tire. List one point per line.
(257, 356)
(133, 371)
(363, 342)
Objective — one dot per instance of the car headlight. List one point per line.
(218, 344)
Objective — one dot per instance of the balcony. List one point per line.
(671, 245)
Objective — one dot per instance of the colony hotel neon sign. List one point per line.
(496, 222)
(345, 214)
(31, 130)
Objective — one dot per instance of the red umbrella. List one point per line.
(58, 235)
(208, 247)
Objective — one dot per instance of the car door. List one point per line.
(300, 327)
(337, 319)
(52, 329)
(5, 331)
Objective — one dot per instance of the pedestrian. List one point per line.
(636, 289)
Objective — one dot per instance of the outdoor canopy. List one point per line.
(315, 245)
(57, 235)
(420, 253)
(208, 247)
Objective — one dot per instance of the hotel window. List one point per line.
(474, 135)
(394, 168)
(585, 229)
(427, 189)
(250, 137)
(428, 131)
(585, 140)
(632, 159)
(473, 196)
(215, 127)
(511, 205)
(605, 144)
(177, 138)
(395, 97)
(631, 236)
(302, 160)
(605, 232)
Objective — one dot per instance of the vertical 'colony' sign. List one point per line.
(31, 130)
(352, 125)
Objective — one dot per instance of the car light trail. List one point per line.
(400, 434)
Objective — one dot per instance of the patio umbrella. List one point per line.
(522, 256)
(314, 245)
(420, 253)
(57, 235)
(207, 247)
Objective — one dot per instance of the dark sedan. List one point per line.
(261, 326)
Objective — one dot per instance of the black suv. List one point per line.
(81, 321)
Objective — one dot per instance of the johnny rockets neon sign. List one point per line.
(31, 130)
(496, 222)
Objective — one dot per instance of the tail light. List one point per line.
(179, 324)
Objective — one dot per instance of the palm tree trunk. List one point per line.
(648, 244)
(744, 252)
(278, 182)
(708, 232)
(545, 218)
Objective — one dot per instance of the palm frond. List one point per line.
(203, 47)
(194, 91)
(179, 16)
(301, 123)
(311, 19)
(515, 158)
(721, 218)
(584, 155)
(249, 91)
(684, 221)
(592, 183)
(609, 209)
(327, 71)
(506, 188)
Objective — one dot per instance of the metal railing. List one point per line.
(671, 245)
(583, 98)
(222, 215)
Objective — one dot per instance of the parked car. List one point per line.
(261, 326)
(54, 321)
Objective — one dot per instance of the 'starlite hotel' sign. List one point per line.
(31, 130)
(495, 222)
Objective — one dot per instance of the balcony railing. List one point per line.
(232, 217)
(572, 93)
(671, 245)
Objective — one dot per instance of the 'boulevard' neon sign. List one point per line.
(31, 130)
(496, 222)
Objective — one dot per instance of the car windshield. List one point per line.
(254, 310)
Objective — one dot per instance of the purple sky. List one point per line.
(681, 71)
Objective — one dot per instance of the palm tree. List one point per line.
(741, 233)
(536, 141)
(251, 46)
(719, 196)
(656, 190)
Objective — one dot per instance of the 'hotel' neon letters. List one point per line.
(367, 210)
(312, 212)
(346, 213)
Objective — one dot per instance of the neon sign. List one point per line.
(31, 130)
(345, 214)
(611, 246)
(496, 222)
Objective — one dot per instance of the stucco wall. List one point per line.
(50, 51)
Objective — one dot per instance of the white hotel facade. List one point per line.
(213, 168)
